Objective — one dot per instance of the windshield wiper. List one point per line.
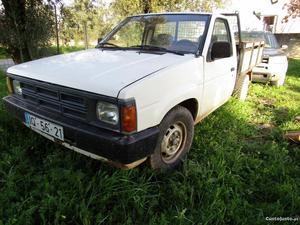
(156, 48)
(106, 44)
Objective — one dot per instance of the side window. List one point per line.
(221, 36)
(221, 32)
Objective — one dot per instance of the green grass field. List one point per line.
(43, 52)
(3, 53)
(239, 171)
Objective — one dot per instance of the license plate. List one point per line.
(44, 126)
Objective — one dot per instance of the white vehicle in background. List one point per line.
(139, 93)
(274, 61)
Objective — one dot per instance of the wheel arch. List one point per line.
(191, 105)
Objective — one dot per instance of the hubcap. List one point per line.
(173, 142)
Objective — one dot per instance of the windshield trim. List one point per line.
(200, 44)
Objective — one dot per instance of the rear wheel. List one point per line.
(174, 141)
(242, 87)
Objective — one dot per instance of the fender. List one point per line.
(157, 94)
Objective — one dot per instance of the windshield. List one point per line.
(268, 38)
(181, 33)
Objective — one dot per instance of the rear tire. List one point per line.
(242, 88)
(174, 141)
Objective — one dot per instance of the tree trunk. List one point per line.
(86, 44)
(146, 6)
(56, 29)
(15, 10)
(21, 25)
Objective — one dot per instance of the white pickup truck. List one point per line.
(139, 93)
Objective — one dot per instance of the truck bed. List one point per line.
(250, 56)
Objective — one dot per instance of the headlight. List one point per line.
(17, 87)
(107, 113)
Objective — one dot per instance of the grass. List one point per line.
(44, 52)
(52, 50)
(239, 171)
(3, 53)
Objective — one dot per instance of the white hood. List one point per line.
(102, 72)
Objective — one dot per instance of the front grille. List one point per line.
(51, 97)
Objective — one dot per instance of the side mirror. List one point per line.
(220, 49)
(284, 47)
(99, 40)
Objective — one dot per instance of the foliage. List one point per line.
(123, 8)
(25, 25)
(203, 5)
(3, 53)
(293, 9)
(239, 171)
(51, 50)
(84, 14)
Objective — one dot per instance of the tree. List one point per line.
(25, 26)
(124, 8)
(203, 5)
(84, 20)
(293, 9)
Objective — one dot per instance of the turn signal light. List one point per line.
(129, 119)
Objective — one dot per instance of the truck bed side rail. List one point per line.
(250, 56)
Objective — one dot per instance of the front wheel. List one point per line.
(174, 141)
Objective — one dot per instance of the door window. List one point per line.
(220, 33)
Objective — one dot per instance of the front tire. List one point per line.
(174, 141)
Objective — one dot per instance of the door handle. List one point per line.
(232, 69)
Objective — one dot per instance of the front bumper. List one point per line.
(120, 149)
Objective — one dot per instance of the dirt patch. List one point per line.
(262, 126)
(268, 102)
